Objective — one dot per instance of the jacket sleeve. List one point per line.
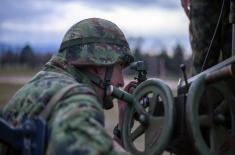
(77, 127)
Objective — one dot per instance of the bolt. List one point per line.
(143, 119)
(219, 119)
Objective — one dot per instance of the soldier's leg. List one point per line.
(204, 15)
(226, 32)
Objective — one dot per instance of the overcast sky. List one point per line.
(162, 23)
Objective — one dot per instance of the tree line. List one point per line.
(26, 57)
(160, 64)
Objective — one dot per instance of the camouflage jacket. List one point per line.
(76, 122)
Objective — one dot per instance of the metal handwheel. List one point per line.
(153, 111)
(210, 117)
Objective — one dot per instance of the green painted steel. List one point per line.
(149, 122)
(227, 62)
(213, 120)
(120, 94)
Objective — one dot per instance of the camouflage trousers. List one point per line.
(204, 15)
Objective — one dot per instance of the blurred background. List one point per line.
(31, 32)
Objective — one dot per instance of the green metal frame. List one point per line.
(213, 120)
(150, 124)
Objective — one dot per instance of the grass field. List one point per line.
(9, 71)
(6, 91)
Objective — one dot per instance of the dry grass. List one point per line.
(6, 92)
(17, 71)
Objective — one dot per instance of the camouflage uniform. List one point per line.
(76, 122)
(204, 15)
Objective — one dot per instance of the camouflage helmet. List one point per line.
(95, 42)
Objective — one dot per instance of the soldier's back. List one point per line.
(32, 98)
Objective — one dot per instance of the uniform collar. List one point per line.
(57, 64)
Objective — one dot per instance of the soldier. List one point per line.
(210, 32)
(71, 89)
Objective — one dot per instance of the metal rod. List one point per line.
(129, 98)
(120, 94)
(229, 61)
(223, 73)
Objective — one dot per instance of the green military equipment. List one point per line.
(218, 119)
(200, 117)
(141, 68)
(202, 113)
(156, 126)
